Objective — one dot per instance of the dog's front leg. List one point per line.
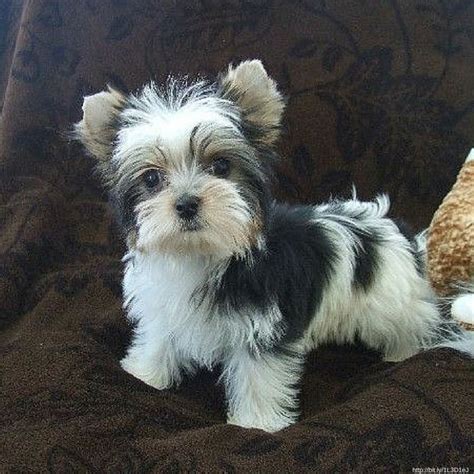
(153, 359)
(262, 388)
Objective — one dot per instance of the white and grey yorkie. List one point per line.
(218, 273)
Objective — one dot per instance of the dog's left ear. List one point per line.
(250, 87)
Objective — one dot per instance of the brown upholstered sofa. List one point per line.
(380, 94)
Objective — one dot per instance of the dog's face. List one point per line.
(187, 165)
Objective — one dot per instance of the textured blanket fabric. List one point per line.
(379, 94)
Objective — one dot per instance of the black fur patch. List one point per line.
(366, 259)
(123, 201)
(409, 234)
(292, 271)
(366, 252)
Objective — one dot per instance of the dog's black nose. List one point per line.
(187, 206)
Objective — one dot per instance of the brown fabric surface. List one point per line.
(380, 94)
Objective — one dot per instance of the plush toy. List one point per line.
(451, 246)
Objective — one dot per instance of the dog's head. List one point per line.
(187, 164)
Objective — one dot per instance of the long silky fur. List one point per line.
(255, 284)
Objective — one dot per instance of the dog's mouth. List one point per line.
(191, 226)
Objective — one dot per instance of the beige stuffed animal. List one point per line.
(451, 245)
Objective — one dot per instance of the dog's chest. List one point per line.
(160, 295)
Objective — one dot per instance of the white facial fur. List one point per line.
(162, 136)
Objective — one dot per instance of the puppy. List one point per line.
(216, 272)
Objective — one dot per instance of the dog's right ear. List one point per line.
(97, 129)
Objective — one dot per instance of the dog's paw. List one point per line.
(271, 425)
(155, 376)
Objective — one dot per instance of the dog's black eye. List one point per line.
(221, 167)
(152, 178)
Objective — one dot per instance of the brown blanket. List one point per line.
(380, 94)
